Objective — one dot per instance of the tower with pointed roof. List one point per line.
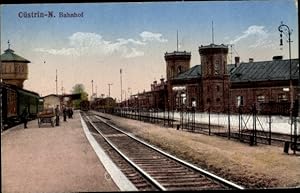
(14, 68)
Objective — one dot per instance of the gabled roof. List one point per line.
(265, 70)
(10, 56)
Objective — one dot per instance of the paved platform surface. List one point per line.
(51, 159)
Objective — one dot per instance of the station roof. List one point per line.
(251, 71)
(265, 70)
(195, 72)
(10, 56)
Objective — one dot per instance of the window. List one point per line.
(179, 70)
(217, 67)
(282, 98)
(240, 101)
(218, 100)
(183, 98)
(208, 100)
(218, 88)
(194, 103)
(260, 98)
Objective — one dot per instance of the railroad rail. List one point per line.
(160, 170)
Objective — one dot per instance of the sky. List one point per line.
(135, 36)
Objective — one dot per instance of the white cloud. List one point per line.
(133, 53)
(86, 43)
(259, 34)
(134, 42)
(62, 51)
(149, 36)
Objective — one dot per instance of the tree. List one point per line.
(79, 88)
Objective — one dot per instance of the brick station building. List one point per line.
(217, 86)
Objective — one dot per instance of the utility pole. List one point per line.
(212, 30)
(56, 81)
(96, 92)
(92, 88)
(121, 83)
(177, 40)
(109, 84)
(62, 88)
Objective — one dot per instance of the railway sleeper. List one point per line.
(191, 184)
(154, 162)
(162, 166)
(168, 173)
(209, 187)
(172, 177)
(181, 180)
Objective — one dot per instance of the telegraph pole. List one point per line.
(56, 81)
(62, 88)
(92, 89)
(109, 84)
(212, 31)
(96, 92)
(121, 82)
(177, 40)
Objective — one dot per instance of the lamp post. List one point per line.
(284, 29)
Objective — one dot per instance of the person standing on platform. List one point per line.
(65, 113)
(24, 117)
(71, 112)
(57, 115)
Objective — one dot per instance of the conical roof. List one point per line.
(10, 56)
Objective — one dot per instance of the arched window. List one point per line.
(179, 70)
(217, 67)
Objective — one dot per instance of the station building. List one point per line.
(216, 86)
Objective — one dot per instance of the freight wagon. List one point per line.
(13, 101)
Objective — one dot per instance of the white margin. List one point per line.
(118, 177)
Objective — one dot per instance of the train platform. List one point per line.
(52, 159)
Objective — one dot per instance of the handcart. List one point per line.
(46, 116)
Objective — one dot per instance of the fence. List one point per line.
(252, 128)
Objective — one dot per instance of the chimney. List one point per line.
(251, 59)
(277, 57)
(162, 80)
(236, 61)
(154, 82)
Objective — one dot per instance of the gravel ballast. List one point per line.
(260, 166)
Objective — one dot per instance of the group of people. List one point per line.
(67, 111)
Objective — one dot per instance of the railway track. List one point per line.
(147, 167)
